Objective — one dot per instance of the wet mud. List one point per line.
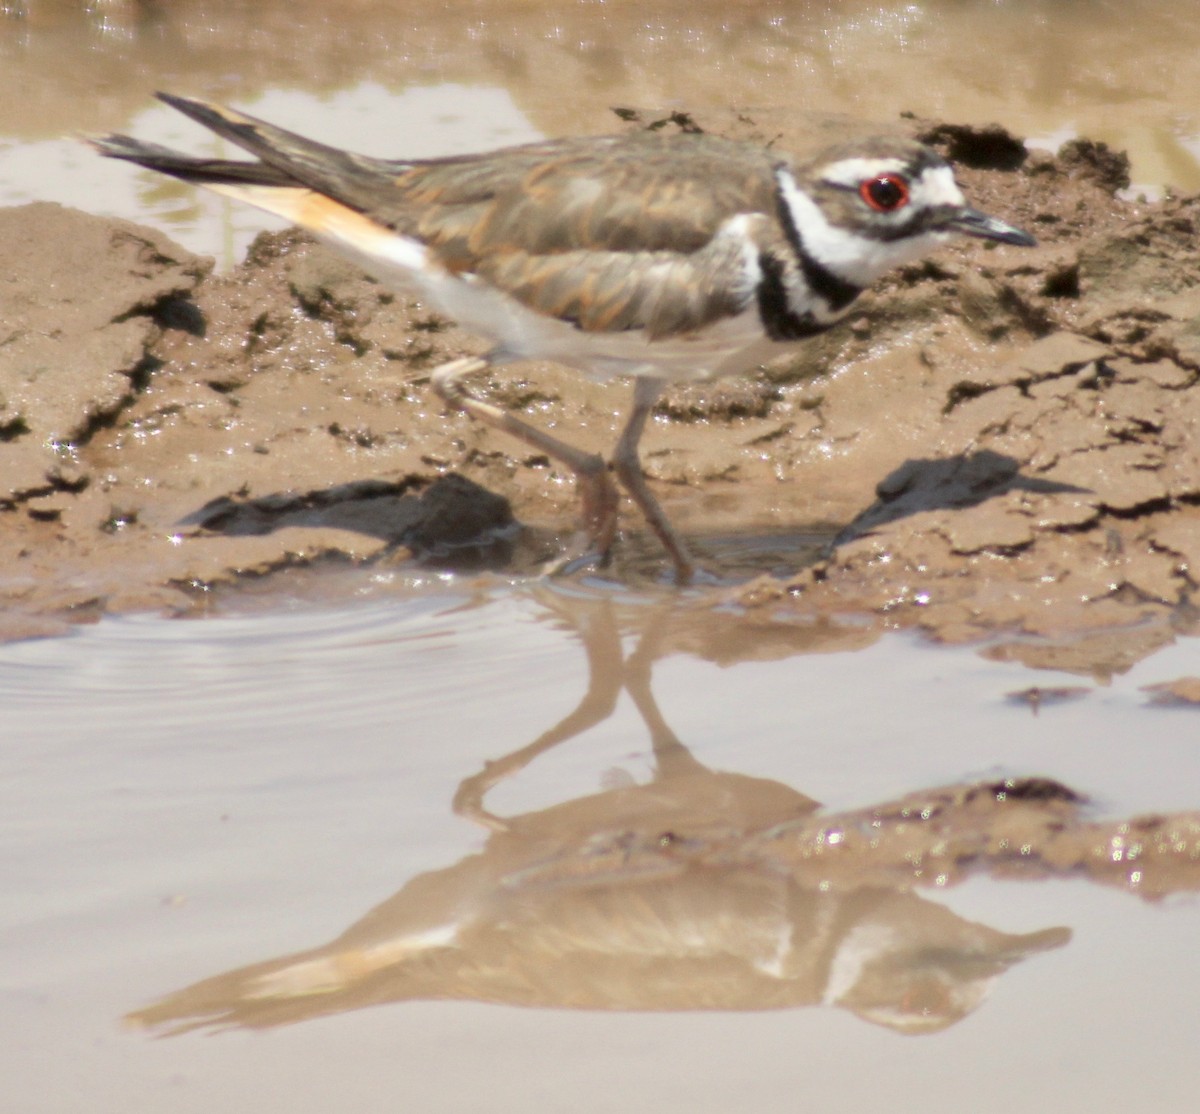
(998, 441)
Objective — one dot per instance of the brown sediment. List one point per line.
(998, 440)
(1029, 829)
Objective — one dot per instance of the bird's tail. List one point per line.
(317, 187)
(284, 158)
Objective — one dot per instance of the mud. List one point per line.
(998, 441)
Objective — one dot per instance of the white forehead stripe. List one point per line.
(849, 172)
(936, 186)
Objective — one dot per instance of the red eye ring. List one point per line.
(885, 193)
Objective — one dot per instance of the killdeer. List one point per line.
(661, 257)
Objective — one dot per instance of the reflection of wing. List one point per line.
(610, 233)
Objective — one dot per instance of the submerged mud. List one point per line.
(998, 440)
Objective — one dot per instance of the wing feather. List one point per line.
(612, 232)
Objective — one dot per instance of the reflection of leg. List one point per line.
(602, 642)
(671, 757)
(596, 489)
(629, 471)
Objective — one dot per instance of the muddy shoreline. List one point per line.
(997, 441)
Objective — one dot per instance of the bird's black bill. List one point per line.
(974, 223)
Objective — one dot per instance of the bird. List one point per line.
(652, 255)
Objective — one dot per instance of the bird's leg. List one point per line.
(597, 492)
(629, 471)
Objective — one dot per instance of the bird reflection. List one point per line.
(698, 890)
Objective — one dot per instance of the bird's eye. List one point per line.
(885, 193)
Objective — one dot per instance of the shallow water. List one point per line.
(180, 799)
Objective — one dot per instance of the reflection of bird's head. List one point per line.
(924, 982)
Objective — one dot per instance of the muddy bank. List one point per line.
(998, 440)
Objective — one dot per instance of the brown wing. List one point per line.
(643, 192)
(661, 292)
(613, 233)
